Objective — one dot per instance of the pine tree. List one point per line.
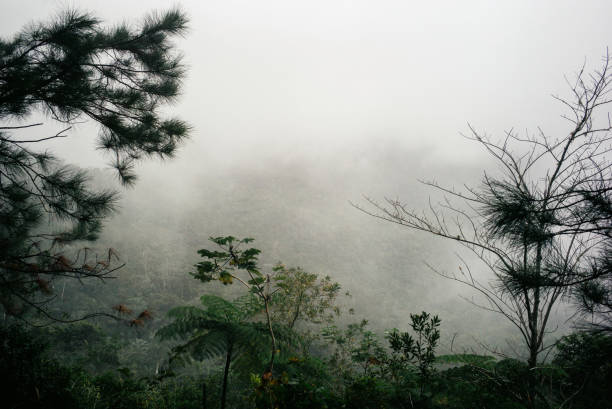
(73, 69)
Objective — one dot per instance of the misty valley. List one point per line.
(182, 230)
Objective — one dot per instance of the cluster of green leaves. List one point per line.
(30, 378)
(385, 376)
(355, 349)
(475, 381)
(418, 351)
(222, 328)
(305, 382)
(293, 295)
(223, 265)
(303, 296)
(585, 359)
(215, 329)
(122, 390)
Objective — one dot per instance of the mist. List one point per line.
(300, 110)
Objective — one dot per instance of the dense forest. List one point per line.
(279, 285)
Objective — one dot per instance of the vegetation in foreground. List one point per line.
(220, 356)
(358, 370)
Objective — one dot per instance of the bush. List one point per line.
(32, 380)
(586, 360)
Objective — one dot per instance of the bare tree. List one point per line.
(536, 231)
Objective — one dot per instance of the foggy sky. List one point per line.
(319, 78)
(345, 97)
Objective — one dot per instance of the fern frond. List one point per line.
(249, 305)
(219, 308)
(203, 345)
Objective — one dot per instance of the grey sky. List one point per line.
(319, 77)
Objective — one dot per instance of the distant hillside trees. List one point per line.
(73, 69)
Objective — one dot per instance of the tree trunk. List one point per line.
(204, 394)
(534, 344)
(228, 358)
(266, 298)
(531, 378)
(297, 311)
(271, 331)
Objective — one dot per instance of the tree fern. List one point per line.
(221, 328)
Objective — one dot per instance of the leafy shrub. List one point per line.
(586, 360)
(33, 380)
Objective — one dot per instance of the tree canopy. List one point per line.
(74, 69)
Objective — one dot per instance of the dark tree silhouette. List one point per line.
(73, 69)
(536, 231)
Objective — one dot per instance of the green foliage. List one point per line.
(372, 377)
(222, 265)
(119, 77)
(221, 328)
(586, 359)
(483, 381)
(84, 345)
(369, 393)
(227, 343)
(303, 296)
(303, 383)
(375, 378)
(70, 69)
(514, 214)
(213, 330)
(472, 386)
(182, 392)
(594, 296)
(417, 350)
(234, 263)
(355, 349)
(483, 361)
(31, 379)
(122, 391)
